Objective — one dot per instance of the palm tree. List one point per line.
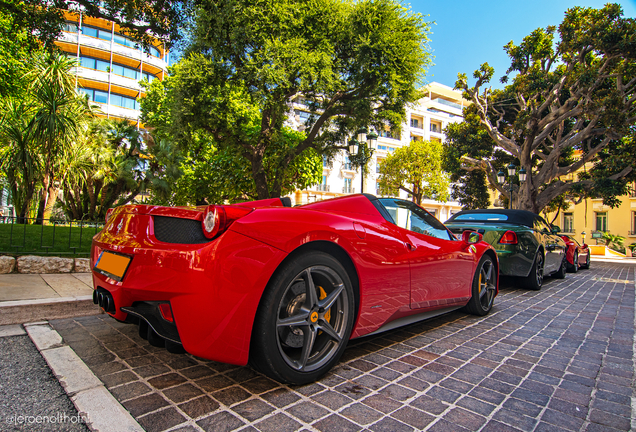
(57, 121)
(19, 159)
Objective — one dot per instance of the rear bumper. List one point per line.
(213, 289)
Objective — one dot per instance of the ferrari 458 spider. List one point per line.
(578, 254)
(284, 288)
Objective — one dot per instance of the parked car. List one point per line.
(525, 244)
(578, 255)
(284, 287)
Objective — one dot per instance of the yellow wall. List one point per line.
(619, 219)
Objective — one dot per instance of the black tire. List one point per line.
(560, 273)
(534, 280)
(573, 268)
(587, 261)
(304, 319)
(484, 287)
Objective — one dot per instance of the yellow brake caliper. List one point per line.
(479, 283)
(323, 295)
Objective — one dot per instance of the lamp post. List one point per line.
(512, 170)
(361, 150)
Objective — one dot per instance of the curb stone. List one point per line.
(20, 311)
(86, 391)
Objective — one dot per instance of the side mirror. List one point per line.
(471, 237)
(555, 229)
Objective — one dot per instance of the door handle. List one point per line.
(410, 246)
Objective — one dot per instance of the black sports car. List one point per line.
(526, 245)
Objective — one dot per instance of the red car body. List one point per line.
(576, 252)
(214, 287)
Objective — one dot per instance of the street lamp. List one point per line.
(361, 150)
(512, 170)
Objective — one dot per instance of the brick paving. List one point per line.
(558, 359)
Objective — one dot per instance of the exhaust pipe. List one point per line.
(104, 299)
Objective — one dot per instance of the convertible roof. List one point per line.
(518, 217)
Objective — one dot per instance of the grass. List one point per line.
(59, 240)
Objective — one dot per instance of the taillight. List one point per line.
(509, 237)
(217, 219)
(108, 213)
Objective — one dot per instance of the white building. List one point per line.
(110, 64)
(426, 121)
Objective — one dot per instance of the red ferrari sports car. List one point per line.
(577, 255)
(284, 288)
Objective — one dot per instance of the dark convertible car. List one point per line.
(526, 245)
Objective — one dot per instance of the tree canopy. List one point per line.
(146, 21)
(570, 105)
(351, 64)
(417, 170)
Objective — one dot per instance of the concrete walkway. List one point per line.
(28, 297)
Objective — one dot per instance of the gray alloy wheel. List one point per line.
(534, 280)
(310, 323)
(304, 319)
(484, 287)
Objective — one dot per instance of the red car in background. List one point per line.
(284, 288)
(578, 255)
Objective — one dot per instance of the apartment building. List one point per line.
(110, 64)
(426, 120)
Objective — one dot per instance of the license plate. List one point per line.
(112, 265)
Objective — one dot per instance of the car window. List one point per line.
(412, 217)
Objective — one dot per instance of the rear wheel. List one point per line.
(534, 280)
(304, 320)
(484, 287)
(573, 268)
(587, 262)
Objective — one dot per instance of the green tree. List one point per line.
(571, 101)
(145, 21)
(20, 160)
(57, 120)
(109, 166)
(417, 170)
(353, 63)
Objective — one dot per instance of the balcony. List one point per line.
(322, 188)
(123, 50)
(348, 189)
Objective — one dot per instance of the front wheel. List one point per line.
(573, 268)
(534, 280)
(560, 274)
(304, 320)
(484, 287)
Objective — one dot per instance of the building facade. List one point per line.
(426, 120)
(585, 221)
(110, 64)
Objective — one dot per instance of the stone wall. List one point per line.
(32, 264)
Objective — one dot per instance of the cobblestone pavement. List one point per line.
(558, 359)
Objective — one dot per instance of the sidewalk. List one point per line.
(36, 297)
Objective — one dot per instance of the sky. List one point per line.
(469, 33)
